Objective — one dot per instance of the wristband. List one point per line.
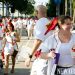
(30, 56)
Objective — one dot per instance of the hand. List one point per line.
(51, 54)
(27, 62)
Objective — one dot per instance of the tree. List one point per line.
(21, 5)
(73, 11)
(52, 8)
(51, 11)
(29, 9)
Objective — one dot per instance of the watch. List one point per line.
(30, 56)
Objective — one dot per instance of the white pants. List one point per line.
(39, 67)
(0, 44)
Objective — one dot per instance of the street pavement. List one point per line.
(20, 68)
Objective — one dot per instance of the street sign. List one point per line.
(57, 2)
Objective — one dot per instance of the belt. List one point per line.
(63, 67)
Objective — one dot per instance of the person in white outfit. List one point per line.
(10, 47)
(1, 37)
(1, 33)
(65, 41)
(39, 33)
(20, 26)
(30, 27)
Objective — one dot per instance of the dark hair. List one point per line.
(11, 26)
(57, 25)
(0, 20)
(63, 18)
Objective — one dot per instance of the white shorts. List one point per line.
(39, 67)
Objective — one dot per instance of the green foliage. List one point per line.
(51, 12)
(24, 6)
(74, 4)
(29, 9)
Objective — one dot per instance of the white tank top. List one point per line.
(66, 59)
(9, 38)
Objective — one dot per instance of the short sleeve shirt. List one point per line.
(64, 49)
(40, 29)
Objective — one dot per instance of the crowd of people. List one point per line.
(54, 43)
(10, 34)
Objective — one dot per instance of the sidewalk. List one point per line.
(20, 68)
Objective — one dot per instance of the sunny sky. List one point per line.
(38, 2)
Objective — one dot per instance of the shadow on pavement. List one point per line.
(18, 71)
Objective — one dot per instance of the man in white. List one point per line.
(20, 26)
(39, 66)
(15, 23)
(1, 33)
(30, 27)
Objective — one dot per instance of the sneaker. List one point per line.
(12, 71)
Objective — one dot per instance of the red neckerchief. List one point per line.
(52, 25)
(1, 24)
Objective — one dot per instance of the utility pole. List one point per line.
(57, 2)
(70, 8)
(74, 11)
(58, 10)
(65, 7)
(3, 8)
(7, 9)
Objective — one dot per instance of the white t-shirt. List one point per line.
(20, 23)
(1, 35)
(1, 32)
(40, 29)
(15, 24)
(30, 23)
(9, 48)
(65, 59)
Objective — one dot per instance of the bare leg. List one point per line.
(6, 63)
(29, 34)
(13, 62)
